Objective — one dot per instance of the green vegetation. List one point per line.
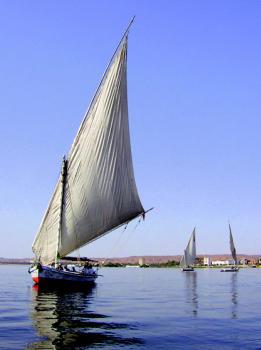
(171, 263)
(168, 264)
(111, 264)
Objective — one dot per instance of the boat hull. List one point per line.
(230, 269)
(188, 269)
(49, 275)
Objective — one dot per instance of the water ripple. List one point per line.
(134, 309)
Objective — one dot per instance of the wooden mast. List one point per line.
(63, 183)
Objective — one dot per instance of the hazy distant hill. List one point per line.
(151, 259)
(15, 261)
(154, 259)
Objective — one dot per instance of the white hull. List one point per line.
(50, 275)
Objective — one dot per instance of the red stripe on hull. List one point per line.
(36, 280)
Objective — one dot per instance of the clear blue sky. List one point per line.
(194, 77)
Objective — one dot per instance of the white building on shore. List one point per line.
(206, 261)
(222, 262)
(141, 261)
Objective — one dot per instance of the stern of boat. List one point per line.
(34, 270)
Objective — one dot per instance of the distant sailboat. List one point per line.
(233, 253)
(96, 191)
(189, 257)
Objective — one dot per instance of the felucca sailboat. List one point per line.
(189, 257)
(233, 253)
(96, 191)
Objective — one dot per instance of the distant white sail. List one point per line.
(100, 192)
(232, 246)
(183, 261)
(189, 256)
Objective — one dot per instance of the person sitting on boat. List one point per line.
(71, 268)
(59, 267)
(87, 269)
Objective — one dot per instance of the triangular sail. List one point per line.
(232, 246)
(46, 242)
(189, 256)
(100, 192)
(183, 261)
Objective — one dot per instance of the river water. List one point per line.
(133, 308)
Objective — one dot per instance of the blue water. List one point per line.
(134, 309)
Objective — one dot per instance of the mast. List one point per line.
(63, 183)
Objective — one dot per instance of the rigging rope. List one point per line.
(130, 233)
(119, 243)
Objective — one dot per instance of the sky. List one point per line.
(194, 81)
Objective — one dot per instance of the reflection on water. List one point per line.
(234, 294)
(64, 320)
(166, 308)
(191, 291)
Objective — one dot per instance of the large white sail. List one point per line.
(232, 246)
(189, 256)
(99, 190)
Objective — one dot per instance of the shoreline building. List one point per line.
(223, 262)
(206, 261)
(141, 261)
